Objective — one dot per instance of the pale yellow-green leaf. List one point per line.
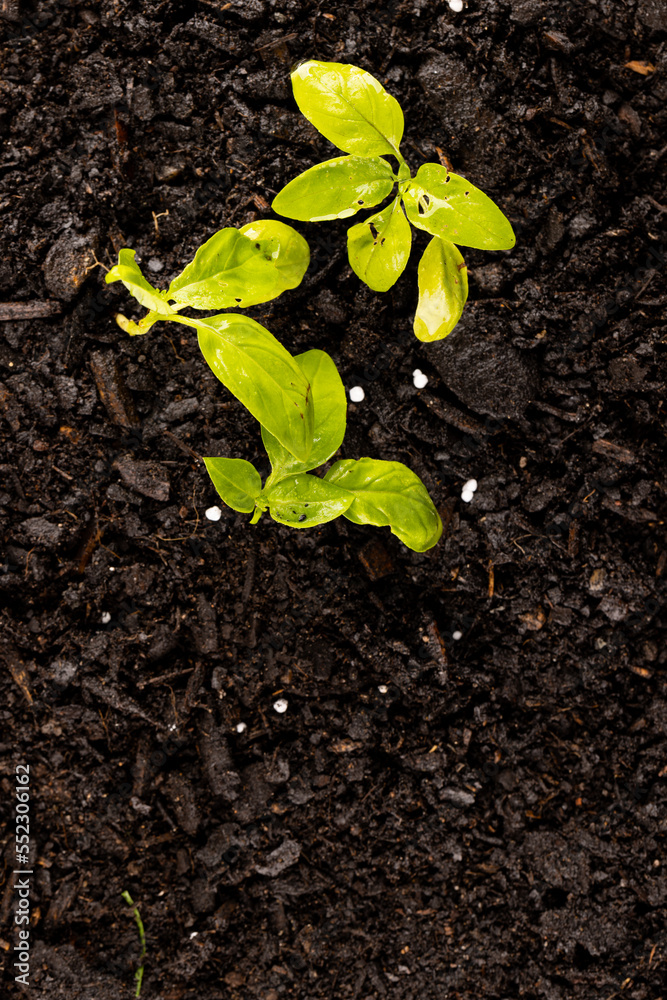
(127, 270)
(335, 189)
(285, 250)
(238, 482)
(329, 402)
(303, 501)
(443, 290)
(389, 494)
(261, 373)
(447, 205)
(349, 107)
(378, 248)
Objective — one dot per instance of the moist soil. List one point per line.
(465, 797)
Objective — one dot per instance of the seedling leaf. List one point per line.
(303, 501)
(335, 189)
(143, 326)
(349, 107)
(443, 290)
(127, 270)
(389, 494)
(330, 406)
(237, 481)
(257, 369)
(379, 248)
(228, 270)
(447, 205)
(284, 250)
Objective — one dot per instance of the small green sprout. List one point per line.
(139, 974)
(354, 112)
(365, 491)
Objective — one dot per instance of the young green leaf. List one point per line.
(388, 493)
(330, 405)
(142, 326)
(237, 481)
(228, 270)
(283, 248)
(379, 248)
(335, 189)
(443, 290)
(258, 370)
(449, 206)
(303, 501)
(349, 107)
(127, 271)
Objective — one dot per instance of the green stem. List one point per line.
(274, 477)
(139, 974)
(404, 175)
(186, 321)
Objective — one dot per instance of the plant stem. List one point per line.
(139, 974)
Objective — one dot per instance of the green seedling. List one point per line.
(237, 268)
(300, 402)
(365, 491)
(139, 974)
(354, 112)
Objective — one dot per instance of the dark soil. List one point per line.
(431, 818)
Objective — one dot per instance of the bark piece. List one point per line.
(28, 310)
(113, 392)
(147, 478)
(280, 859)
(214, 749)
(182, 797)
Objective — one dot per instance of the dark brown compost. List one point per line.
(465, 798)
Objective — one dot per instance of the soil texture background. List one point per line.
(465, 797)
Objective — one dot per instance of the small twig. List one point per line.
(98, 263)
(182, 360)
(277, 42)
(646, 284)
(60, 472)
(155, 218)
(661, 208)
(29, 310)
(653, 302)
(164, 677)
(182, 445)
(555, 411)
